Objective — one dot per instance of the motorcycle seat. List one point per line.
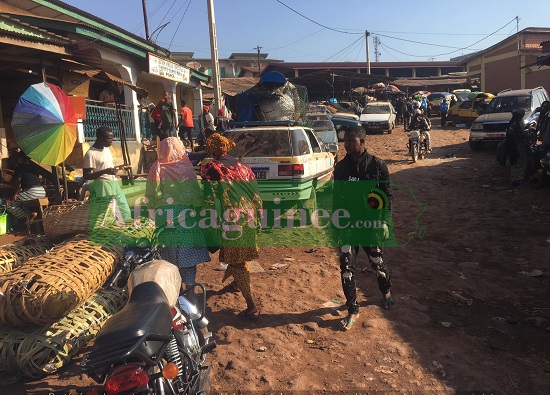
(146, 313)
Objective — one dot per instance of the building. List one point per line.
(50, 41)
(237, 65)
(511, 63)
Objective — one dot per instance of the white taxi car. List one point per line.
(290, 162)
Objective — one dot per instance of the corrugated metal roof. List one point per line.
(13, 26)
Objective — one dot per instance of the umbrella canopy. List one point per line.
(44, 124)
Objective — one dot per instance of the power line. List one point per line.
(185, 12)
(343, 49)
(311, 20)
(395, 38)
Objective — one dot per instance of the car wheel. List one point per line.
(455, 119)
(477, 145)
(391, 128)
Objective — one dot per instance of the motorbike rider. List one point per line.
(421, 122)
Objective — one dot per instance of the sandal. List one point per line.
(347, 323)
(389, 304)
(246, 313)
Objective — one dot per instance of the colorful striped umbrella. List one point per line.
(44, 124)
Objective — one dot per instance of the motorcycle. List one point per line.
(157, 344)
(419, 137)
(417, 145)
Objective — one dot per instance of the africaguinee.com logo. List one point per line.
(194, 213)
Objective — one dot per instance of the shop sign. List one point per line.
(168, 69)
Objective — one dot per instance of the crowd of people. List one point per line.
(229, 186)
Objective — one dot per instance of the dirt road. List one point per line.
(469, 319)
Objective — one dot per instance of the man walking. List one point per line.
(186, 124)
(356, 177)
(165, 115)
(444, 109)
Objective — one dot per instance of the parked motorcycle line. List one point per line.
(149, 347)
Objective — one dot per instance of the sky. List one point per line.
(327, 30)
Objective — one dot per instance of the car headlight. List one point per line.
(477, 126)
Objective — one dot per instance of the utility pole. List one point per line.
(376, 51)
(145, 20)
(259, 68)
(367, 34)
(214, 54)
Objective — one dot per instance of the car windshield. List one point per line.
(435, 96)
(327, 136)
(508, 104)
(376, 110)
(252, 143)
(462, 96)
(322, 125)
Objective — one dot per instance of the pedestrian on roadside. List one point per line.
(208, 121)
(444, 109)
(172, 187)
(99, 166)
(230, 186)
(186, 124)
(358, 173)
(165, 116)
(221, 121)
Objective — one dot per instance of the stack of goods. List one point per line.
(51, 302)
(52, 305)
(272, 99)
(39, 351)
(50, 285)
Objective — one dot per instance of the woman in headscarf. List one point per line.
(174, 192)
(232, 185)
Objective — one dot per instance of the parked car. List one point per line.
(435, 99)
(492, 124)
(325, 130)
(290, 162)
(466, 112)
(378, 116)
(461, 94)
(342, 125)
(346, 115)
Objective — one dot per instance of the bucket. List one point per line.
(3, 223)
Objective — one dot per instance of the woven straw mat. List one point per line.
(51, 285)
(37, 352)
(17, 253)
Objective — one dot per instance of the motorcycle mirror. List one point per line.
(143, 242)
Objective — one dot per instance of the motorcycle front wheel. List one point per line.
(414, 152)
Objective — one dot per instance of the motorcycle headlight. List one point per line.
(477, 126)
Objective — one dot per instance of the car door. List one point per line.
(324, 161)
(465, 111)
(303, 151)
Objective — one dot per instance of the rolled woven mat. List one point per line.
(15, 254)
(41, 351)
(49, 286)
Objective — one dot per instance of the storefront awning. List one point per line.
(109, 76)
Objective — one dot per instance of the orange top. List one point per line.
(186, 117)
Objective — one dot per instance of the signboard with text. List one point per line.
(168, 69)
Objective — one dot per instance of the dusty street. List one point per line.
(469, 319)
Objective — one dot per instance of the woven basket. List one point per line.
(42, 351)
(14, 255)
(72, 218)
(49, 286)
